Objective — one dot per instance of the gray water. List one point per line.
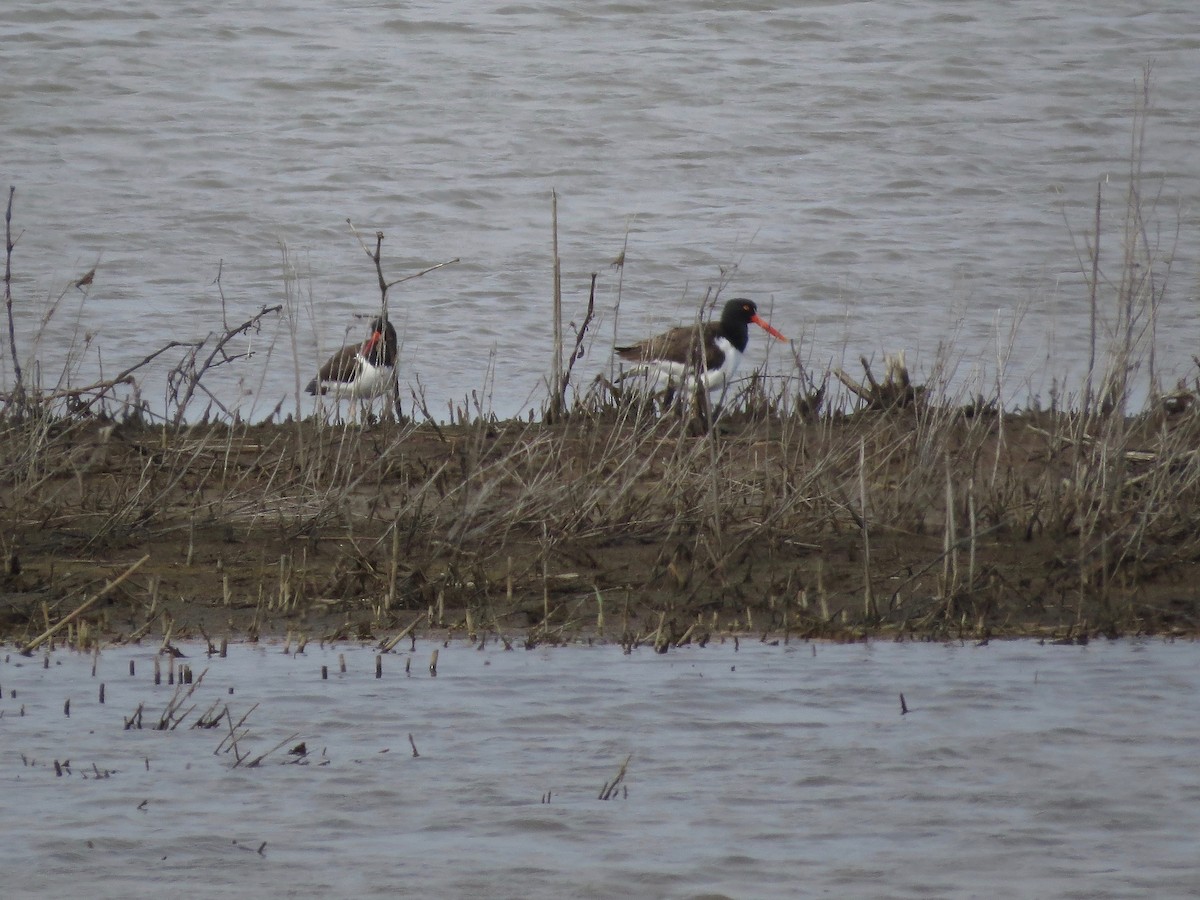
(1020, 770)
(880, 176)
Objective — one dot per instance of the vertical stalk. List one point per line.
(556, 372)
(18, 392)
(869, 608)
(950, 541)
(1093, 287)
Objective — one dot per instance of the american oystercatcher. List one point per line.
(672, 359)
(360, 370)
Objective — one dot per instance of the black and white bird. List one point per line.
(361, 370)
(709, 352)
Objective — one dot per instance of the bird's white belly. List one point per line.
(371, 381)
(662, 375)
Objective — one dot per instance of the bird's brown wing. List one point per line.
(342, 366)
(677, 345)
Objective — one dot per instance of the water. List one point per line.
(1021, 770)
(879, 177)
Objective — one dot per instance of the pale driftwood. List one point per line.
(28, 649)
(391, 642)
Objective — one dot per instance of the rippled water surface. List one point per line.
(879, 176)
(754, 771)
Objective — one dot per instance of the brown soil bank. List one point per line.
(923, 522)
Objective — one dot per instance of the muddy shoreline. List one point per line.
(922, 523)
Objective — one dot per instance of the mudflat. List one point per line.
(919, 521)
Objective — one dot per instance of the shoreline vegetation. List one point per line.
(821, 506)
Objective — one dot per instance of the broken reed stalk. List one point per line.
(257, 761)
(171, 716)
(233, 737)
(28, 649)
(607, 790)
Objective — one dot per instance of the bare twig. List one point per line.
(188, 375)
(425, 271)
(577, 352)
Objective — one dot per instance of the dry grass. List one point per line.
(926, 520)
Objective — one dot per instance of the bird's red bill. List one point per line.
(765, 326)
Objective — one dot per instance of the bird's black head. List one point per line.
(739, 309)
(736, 317)
(382, 346)
(381, 326)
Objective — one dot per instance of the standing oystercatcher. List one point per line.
(360, 370)
(673, 359)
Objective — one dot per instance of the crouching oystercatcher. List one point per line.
(360, 370)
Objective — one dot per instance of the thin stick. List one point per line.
(425, 271)
(28, 649)
(619, 265)
(9, 244)
(556, 376)
(949, 541)
(102, 386)
(971, 517)
(1093, 287)
(577, 352)
(869, 609)
(254, 763)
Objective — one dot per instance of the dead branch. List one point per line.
(190, 380)
(577, 351)
(894, 392)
